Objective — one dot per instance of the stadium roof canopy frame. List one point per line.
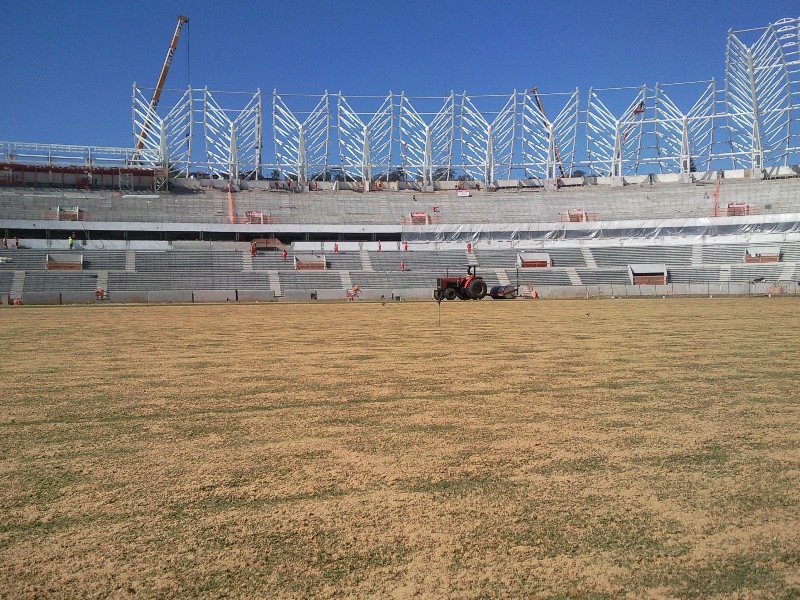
(748, 120)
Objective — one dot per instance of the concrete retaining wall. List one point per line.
(676, 289)
(289, 294)
(390, 293)
(128, 297)
(41, 298)
(78, 297)
(545, 292)
(256, 296)
(214, 296)
(168, 296)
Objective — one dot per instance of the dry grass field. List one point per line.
(579, 449)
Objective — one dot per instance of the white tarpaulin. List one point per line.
(652, 228)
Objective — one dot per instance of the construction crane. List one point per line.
(160, 83)
(534, 91)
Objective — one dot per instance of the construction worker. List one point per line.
(70, 241)
(284, 254)
(335, 248)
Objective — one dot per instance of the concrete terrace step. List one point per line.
(153, 281)
(17, 284)
(366, 262)
(510, 206)
(789, 272)
(572, 273)
(588, 258)
(697, 255)
(189, 260)
(620, 256)
(274, 283)
(36, 259)
(502, 277)
(39, 281)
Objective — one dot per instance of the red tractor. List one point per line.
(469, 287)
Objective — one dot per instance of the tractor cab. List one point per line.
(471, 274)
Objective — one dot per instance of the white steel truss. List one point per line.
(301, 147)
(683, 139)
(426, 146)
(365, 144)
(165, 140)
(548, 147)
(614, 144)
(762, 107)
(233, 138)
(487, 148)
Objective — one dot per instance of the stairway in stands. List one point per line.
(17, 284)
(366, 262)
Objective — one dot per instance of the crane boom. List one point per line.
(160, 83)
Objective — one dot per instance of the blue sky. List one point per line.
(67, 67)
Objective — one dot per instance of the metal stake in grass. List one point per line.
(439, 301)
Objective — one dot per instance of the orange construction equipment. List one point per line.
(160, 83)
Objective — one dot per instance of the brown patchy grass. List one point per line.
(552, 449)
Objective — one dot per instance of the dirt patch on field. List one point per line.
(525, 449)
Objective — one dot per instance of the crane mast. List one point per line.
(160, 83)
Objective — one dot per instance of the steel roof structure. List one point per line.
(749, 120)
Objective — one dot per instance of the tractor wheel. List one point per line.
(450, 294)
(462, 294)
(438, 295)
(477, 289)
